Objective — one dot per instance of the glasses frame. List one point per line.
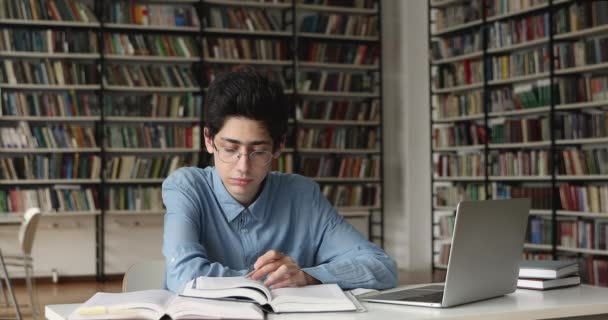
(249, 155)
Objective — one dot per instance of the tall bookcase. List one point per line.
(518, 107)
(129, 111)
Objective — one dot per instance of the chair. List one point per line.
(27, 232)
(144, 275)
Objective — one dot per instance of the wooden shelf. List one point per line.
(335, 9)
(533, 246)
(520, 178)
(339, 94)
(582, 214)
(152, 150)
(587, 68)
(135, 181)
(51, 119)
(335, 36)
(441, 179)
(583, 251)
(518, 79)
(582, 33)
(461, 118)
(460, 27)
(536, 110)
(581, 141)
(445, 3)
(538, 212)
(581, 105)
(47, 55)
(251, 4)
(459, 148)
(338, 122)
(135, 213)
(345, 66)
(149, 27)
(49, 181)
(467, 87)
(50, 150)
(517, 12)
(468, 56)
(336, 179)
(142, 59)
(519, 46)
(520, 145)
(151, 119)
(151, 89)
(248, 61)
(90, 87)
(582, 178)
(341, 151)
(247, 32)
(50, 23)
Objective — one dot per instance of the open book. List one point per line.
(157, 304)
(314, 298)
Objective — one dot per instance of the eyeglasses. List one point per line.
(232, 156)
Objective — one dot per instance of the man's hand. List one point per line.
(282, 271)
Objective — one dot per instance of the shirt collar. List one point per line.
(233, 208)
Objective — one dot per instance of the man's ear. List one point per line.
(208, 141)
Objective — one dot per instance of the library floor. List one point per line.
(72, 291)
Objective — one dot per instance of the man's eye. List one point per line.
(230, 150)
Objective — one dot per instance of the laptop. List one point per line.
(486, 249)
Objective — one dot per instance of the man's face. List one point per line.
(241, 174)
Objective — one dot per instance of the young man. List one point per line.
(238, 216)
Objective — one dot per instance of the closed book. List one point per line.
(545, 284)
(547, 269)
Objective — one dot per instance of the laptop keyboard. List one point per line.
(432, 294)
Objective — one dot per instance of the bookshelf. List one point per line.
(93, 88)
(517, 100)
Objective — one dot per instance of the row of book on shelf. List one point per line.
(528, 95)
(569, 162)
(570, 17)
(589, 123)
(58, 10)
(70, 198)
(336, 137)
(70, 104)
(153, 136)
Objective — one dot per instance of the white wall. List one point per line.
(407, 162)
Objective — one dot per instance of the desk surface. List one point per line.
(523, 304)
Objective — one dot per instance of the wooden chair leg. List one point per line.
(9, 286)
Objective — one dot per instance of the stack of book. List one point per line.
(544, 275)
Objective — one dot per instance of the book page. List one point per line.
(197, 308)
(144, 304)
(315, 298)
(228, 287)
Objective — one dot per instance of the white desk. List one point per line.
(523, 304)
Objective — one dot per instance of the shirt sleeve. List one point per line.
(186, 257)
(344, 256)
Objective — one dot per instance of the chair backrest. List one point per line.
(145, 275)
(27, 231)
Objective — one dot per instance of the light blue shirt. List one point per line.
(208, 233)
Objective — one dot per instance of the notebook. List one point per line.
(545, 284)
(157, 304)
(314, 298)
(547, 269)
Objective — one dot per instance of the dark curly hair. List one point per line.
(246, 93)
